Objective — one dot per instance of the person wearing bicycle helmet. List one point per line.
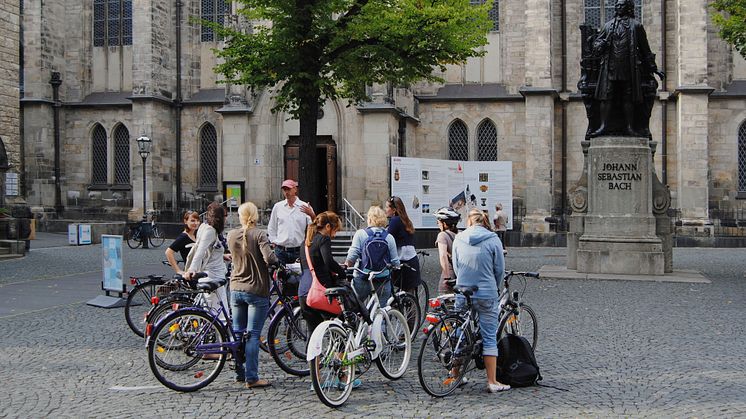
(448, 220)
(478, 261)
(400, 226)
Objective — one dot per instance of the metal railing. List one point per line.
(353, 220)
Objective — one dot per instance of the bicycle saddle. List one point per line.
(466, 291)
(210, 285)
(336, 291)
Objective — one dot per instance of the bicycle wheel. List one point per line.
(156, 237)
(138, 306)
(286, 338)
(397, 346)
(407, 305)
(423, 295)
(194, 355)
(165, 307)
(273, 310)
(444, 356)
(133, 238)
(332, 375)
(524, 323)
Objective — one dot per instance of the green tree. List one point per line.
(730, 17)
(318, 50)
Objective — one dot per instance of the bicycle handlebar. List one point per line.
(528, 274)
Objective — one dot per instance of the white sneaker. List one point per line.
(496, 388)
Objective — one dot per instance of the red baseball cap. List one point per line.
(289, 183)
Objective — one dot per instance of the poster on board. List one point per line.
(112, 260)
(424, 185)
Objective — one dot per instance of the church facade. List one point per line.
(100, 73)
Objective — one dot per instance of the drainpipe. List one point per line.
(563, 26)
(664, 103)
(178, 104)
(56, 81)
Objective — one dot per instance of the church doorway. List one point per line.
(326, 161)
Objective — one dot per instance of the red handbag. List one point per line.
(316, 298)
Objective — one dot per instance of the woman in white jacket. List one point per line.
(208, 253)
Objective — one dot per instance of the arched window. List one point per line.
(486, 141)
(208, 157)
(742, 157)
(598, 12)
(112, 22)
(214, 11)
(99, 156)
(121, 155)
(458, 141)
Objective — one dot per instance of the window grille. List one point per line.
(112, 22)
(493, 13)
(208, 176)
(214, 11)
(99, 160)
(598, 12)
(486, 141)
(742, 157)
(458, 141)
(121, 156)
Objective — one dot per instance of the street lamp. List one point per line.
(144, 145)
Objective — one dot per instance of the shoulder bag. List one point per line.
(316, 298)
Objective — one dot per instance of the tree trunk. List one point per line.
(308, 171)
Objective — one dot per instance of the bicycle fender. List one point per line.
(375, 334)
(317, 338)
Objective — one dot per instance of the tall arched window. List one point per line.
(486, 141)
(214, 11)
(112, 22)
(208, 157)
(99, 156)
(598, 12)
(121, 155)
(742, 157)
(493, 13)
(458, 141)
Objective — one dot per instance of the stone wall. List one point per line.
(9, 79)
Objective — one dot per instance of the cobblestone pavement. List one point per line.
(619, 348)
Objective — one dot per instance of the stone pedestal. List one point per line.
(619, 228)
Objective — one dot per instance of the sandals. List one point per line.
(260, 383)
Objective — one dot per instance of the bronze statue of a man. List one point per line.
(626, 63)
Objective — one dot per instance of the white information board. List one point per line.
(84, 234)
(424, 185)
(112, 261)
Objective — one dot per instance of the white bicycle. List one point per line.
(348, 345)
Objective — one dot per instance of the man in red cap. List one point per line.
(288, 222)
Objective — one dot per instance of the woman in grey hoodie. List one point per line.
(478, 261)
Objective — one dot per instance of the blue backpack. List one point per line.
(375, 251)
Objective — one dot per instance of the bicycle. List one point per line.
(138, 233)
(287, 332)
(423, 290)
(341, 346)
(145, 287)
(454, 335)
(407, 305)
(188, 348)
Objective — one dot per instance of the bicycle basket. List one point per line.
(167, 288)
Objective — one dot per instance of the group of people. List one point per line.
(295, 232)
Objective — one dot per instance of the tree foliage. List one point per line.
(730, 17)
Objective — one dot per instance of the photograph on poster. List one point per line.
(462, 185)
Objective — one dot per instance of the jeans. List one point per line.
(383, 289)
(489, 317)
(287, 256)
(249, 311)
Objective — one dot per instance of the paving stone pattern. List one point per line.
(619, 348)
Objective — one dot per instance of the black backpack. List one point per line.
(517, 364)
(375, 255)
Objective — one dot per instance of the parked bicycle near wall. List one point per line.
(144, 232)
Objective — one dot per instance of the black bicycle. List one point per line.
(139, 232)
(139, 301)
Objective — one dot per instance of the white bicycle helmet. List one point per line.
(447, 215)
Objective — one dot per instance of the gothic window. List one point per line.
(112, 22)
(458, 141)
(214, 11)
(493, 13)
(99, 156)
(121, 155)
(208, 157)
(742, 157)
(486, 141)
(598, 12)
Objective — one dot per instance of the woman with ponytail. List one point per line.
(319, 242)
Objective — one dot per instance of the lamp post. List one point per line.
(144, 145)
